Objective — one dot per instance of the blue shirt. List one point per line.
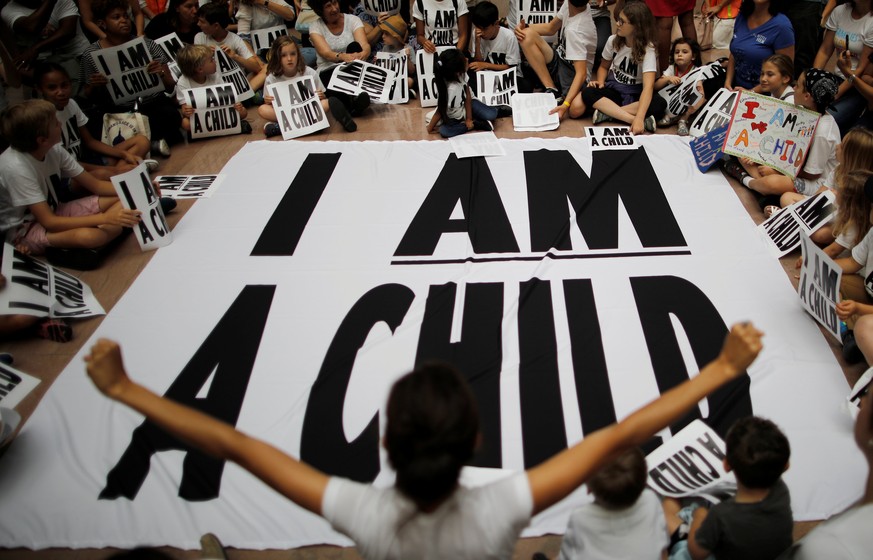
(750, 47)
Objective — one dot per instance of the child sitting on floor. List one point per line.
(213, 20)
(684, 57)
(457, 112)
(197, 64)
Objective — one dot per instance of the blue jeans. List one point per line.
(481, 112)
(847, 109)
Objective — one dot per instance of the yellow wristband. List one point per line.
(566, 104)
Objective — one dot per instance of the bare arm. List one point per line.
(552, 480)
(116, 216)
(463, 32)
(295, 480)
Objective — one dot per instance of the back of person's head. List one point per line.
(24, 123)
(191, 57)
(215, 12)
(431, 432)
(783, 63)
(619, 484)
(484, 14)
(100, 9)
(855, 207)
(821, 85)
(757, 452)
(693, 45)
(640, 16)
(274, 57)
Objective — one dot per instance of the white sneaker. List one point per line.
(650, 124)
(161, 147)
(599, 117)
(151, 164)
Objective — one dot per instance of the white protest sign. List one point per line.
(263, 38)
(231, 73)
(479, 144)
(175, 71)
(188, 186)
(214, 112)
(531, 112)
(424, 65)
(781, 231)
(771, 132)
(399, 64)
(35, 288)
(125, 69)
(137, 193)
(298, 107)
(378, 7)
(359, 77)
(496, 88)
(14, 385)
(686, 94)
(170, 44)
(716, 113)
(691, 464)
(819, 286)
(610, 138)
(539, 11)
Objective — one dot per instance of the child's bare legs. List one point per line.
(186, 124)
(539, 54)
(772, 184)
(577, 107)
(790, 198)
(137, 145)
(267, 113)
(257, 80)
(864, 336)
(609, 107)
(671, 508)
(88, 237)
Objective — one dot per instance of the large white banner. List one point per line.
(574, 287)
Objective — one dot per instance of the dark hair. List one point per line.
(640, 16)
(775, 7)
(100, 8)
(448, 66)
(172, 12)
(484, 14)
(45, 68)
(431, 431)
(274, 57)
(579, 4)
(696, 57)
(783, 63)
(318, 6)
(619, 484)
(757, 451)
(215, 12)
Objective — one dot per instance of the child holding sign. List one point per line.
(441, 23)
(197, 64)
(213, 19)
(457, 111)
(684, 57)
(30, 214)
(815, 90)
(285, 62)
(494, 47)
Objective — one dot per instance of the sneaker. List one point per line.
(56, 330)
(683, 128)
(599, 117)
(413, 94)
(6, 358)
(161, 147)
(504, 111)
(151, 164)
(168, 204)
(735, 169)
(245, 127)
(360, 103)
(272, 129)
(483, 125)
(666, 121)
(341, 114)
(650, 124)
(77, 259)
(851, 353)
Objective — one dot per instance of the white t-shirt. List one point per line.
(440, 20)
(271, 79)
(850, 33)
(457, 94)
(72, 118)
(476, 523)
(820, 160)
(337, 43)
(185, 83)
(862, 253)
(24, 180)
(636, 533)
(844, 537)
(232, 40)
(502, 49)
(625, 69)
(63, 9)
(577, 39)
(251, 17)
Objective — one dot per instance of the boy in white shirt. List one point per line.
(197, 64)
(213, 19)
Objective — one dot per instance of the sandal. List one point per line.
(57, 330)
(771, 210)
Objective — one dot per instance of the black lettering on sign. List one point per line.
(659, 297)
(8, 381)
(323, 443)
(554, 177)
(478, 354)
(229, 351)
(282, 233)
(468, 181)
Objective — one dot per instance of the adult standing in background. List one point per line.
(806, 18)
(252, 15)
(664, 12)
(761, 30)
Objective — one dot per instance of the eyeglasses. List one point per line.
(621, 22)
